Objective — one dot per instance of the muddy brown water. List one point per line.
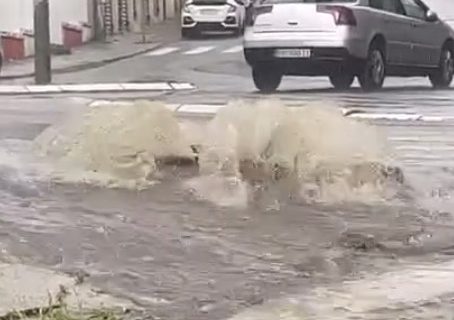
(185, 259)
(188, 248)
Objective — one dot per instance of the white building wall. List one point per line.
(65, 11)
(170, 9)
(16, 15)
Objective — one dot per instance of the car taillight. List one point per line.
(342, 15)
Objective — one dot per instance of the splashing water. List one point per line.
(326, 156)
(312, 151)
(114, 144)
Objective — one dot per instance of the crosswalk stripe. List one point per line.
(427, 148)
(234, 49)
(199, 50)
(162, 51)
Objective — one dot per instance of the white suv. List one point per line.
(213, 15)
(344, 39)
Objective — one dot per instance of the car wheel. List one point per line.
(342, 80)
(373, 72)
(443, 76)
(266, 79)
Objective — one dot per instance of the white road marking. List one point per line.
(427, 148)
(234, 49)
(95, 87)
(13, 89)
(200, 108)
(44, 89)
(90, 87)
(146, 86)
(163, 51)
(182, 85)
(199, 50)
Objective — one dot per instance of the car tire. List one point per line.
(342, 80)
(373, 73)
(266, 79)
(444, 74)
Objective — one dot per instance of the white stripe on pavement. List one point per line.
(422, 138)
(162, 51)
(214, 108)
(396, 117)
(426, 148)
(95, 87)
(13, 89)
(182, 86)
(200, 108)
(234, 49)
(199, 50)
(146, 86)
(91, 87)
(44, 89)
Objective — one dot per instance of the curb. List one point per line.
(87, 65)
(212, 109)
(95, 88)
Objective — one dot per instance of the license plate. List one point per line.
(209, 12)
(292, 53)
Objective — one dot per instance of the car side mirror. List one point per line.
(431, 16)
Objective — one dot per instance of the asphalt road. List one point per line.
(182, 258)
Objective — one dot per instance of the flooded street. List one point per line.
(167, 180)
(212, 238)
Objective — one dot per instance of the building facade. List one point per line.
(73, 22)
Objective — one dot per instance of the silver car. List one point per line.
(344, 39)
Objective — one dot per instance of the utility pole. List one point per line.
(143, 20)
(42, 42)
(95, 17)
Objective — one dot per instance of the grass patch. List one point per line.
(60, 312)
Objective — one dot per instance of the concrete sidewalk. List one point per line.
(91, 55)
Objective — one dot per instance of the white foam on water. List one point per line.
(313, 144)
(326, 156)
(113, 145)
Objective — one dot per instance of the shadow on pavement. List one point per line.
(359, 90)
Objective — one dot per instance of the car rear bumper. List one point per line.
(323, 61)
(355, 46)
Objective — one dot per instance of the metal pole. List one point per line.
(144, 19)
(96, 24)
(43, 72)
